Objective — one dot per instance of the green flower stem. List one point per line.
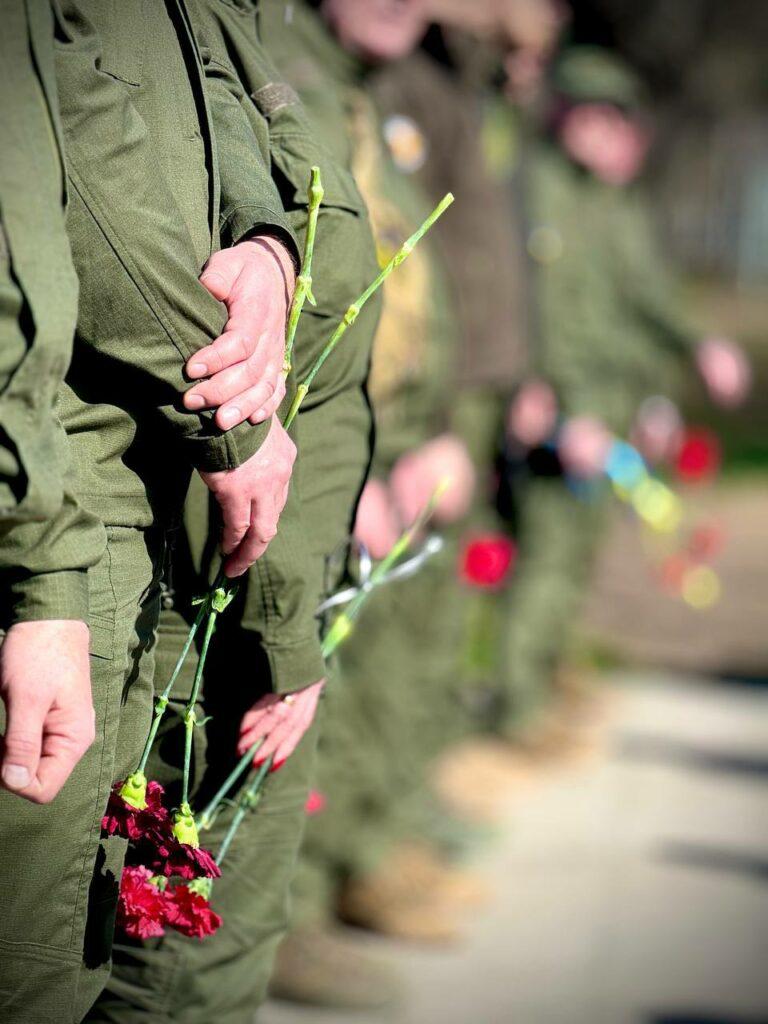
(162, 701)
(353, 311)
(190, 716)
(342, 625)
(206, 816)
(303, 290)
(248, 800)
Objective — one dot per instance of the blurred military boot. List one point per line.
(430, 875)
(316, 967)
(479, 778)
(390, 905)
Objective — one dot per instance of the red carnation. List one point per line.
(699, 456)
(487, 559)
(172, 858)
(125, 815)
(142, 907)
(315, 802)
(190, 912)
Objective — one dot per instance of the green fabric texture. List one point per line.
(59, 888)
(42, 567)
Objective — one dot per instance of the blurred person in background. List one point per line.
(403, 654)
(607, 333)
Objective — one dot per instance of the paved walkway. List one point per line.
(633, 891)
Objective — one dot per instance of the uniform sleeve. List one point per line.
(47, 542)
(149, 266)
(650, 283)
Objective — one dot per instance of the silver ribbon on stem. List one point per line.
(431, 546)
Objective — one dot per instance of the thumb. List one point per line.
(23, 741)
(221, 272)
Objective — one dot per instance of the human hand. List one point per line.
(45, 684)
(532, 415)
(583, 446)
(416, 475)
(281, 720)
(244, 366)
(251, 499)
(376, 523)
(725, 370)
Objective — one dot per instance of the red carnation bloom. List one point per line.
(315, 802)
(142, 907)
(130, 821)
(170, 857)
(487, 560)
(190, 913)
(699, 456)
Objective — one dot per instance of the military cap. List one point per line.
(589, 74)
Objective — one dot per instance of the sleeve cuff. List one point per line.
(213, 453)
(238, 222)
(49, 595)
(296, 665)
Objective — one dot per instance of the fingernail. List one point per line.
(198, 369)
(276, 765)
(230, 416)
(195, 402)
(15, 776)
(258, 415)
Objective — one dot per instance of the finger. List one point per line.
(230, 348)
(236, 522)
(233, 381)
(220, 273)
(256, 541)
(60, 756)
(23, 741)
(270, 407)
(272, 742)
(255, 404)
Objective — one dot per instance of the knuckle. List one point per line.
(21, 747)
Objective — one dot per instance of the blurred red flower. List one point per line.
(315, 802)
(699, 456)
(487, 559)
(142, 908)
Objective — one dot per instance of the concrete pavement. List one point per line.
(630, 891)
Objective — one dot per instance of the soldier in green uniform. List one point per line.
(226, 976)
(159, 177)
(378, 724)
(607, 334)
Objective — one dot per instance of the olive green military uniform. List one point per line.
(607, 335)
(373, 721)
(466, 148)
(225, 978)
(150, 198)
(43, 572)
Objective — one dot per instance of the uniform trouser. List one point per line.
(557, 543)
(59, 881)
(395, 706)
(222, 978)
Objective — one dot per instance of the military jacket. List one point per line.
(608, 330)
(47, 541)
